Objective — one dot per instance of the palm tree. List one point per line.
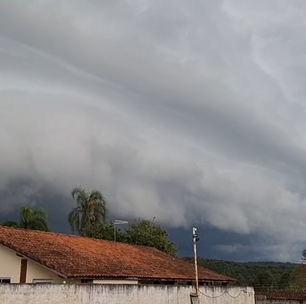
(90, 210)
(34, 219)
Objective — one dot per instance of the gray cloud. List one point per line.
(192, 113)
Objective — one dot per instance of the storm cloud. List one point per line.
(190, 112)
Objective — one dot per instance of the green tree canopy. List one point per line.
(143, 232)
(260, 275)
(33, 218)
(13, 224)
(298, 275)
(30, 218)
(285, 281)
(107, 231)
(265, 280)
(148, 233)
(90, 210)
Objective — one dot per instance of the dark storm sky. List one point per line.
(189, 111)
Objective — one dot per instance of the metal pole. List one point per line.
(114, 232)
(118, 222)
(196, 268)
(195, 261)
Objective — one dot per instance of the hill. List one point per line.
(258, 274)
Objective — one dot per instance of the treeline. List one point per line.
(260, 275)
(89, 219)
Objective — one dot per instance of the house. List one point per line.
(279, 296)
(28, 256)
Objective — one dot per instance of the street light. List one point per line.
(195, 239)
(118, 222)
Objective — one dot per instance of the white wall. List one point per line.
(9, 264)
(38, 272)
(120, 294)
(116, 282)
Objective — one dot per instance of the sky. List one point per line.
(191, 112)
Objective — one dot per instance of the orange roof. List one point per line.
(76, 257)
(282, 295)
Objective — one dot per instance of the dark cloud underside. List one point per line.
(190, 112)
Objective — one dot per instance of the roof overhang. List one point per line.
(22, 255)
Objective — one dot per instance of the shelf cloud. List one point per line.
(190, 112)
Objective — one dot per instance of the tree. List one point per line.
(265, 280)
(284, 282)
(144, 233)
(298, 275)
(34, 219)
(12, 224)
(105, 231)
(298, 278)
(252, 273)
(90, 210)
(303, 259)
(30, 218)
(147, 233)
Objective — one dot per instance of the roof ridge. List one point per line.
(37, 231)
(80, 237)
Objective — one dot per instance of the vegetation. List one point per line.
(147, 233)
(89, 219)
(90, 210)
(261, 275)
(30, 218)
(303, 258)
(143, 232)
(107, 231)
(35, 219)
(12, 224)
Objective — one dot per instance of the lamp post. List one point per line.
(195, 240)
(118, 222)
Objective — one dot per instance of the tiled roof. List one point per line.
(281, 295)
(76, 257)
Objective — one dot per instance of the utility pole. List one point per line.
(118, 222)
(195, 240)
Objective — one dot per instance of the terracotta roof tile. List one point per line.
(281, 295)
(75, 256)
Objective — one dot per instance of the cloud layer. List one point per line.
(190, 112)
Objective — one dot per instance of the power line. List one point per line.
(224, 293)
